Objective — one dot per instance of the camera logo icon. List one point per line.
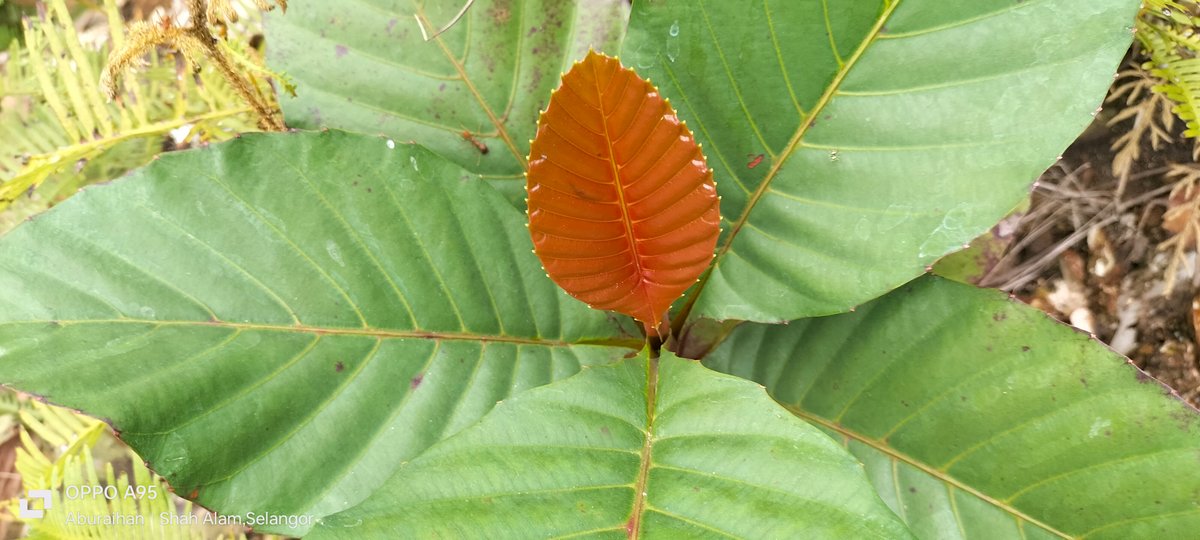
(25, 512)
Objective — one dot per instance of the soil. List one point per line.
(1093, 256)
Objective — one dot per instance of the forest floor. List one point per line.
(1101, 256)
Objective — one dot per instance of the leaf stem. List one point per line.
(634, 525)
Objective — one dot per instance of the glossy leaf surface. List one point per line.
(278, 322)
(980, 417)
(622, 207)
(364, 66)
(855, 142)
(602, 455)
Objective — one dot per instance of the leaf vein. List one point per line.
(242, 392)
(895, 456)
(703, 129)
(291, 244)
(354, 234)
(242, 270)
(737, 91)
(139, 269)
(307, 419)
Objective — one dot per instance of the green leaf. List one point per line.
(978, 416)
(710, 454)
(278, 322)
(854, 143)
(364, 66)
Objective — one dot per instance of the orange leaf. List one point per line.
(622, 207)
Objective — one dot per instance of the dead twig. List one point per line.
(421, 23)
(1030, 271)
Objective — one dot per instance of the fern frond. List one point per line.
(59, 453)
(17, 79)
(62, 123)
(137, 507)
(1183, 37)
(1150, 113)
(1168, 10)
(1180, 75)
(68, 434)
(252, 62)
(1182, 220)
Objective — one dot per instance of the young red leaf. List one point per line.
(622, 207)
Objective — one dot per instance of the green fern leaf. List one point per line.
(63, 124)
(58, 453)
(1180, 74)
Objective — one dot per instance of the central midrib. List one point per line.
(790, 149)
(634, 524)
(629, 343)
(462, 74)
(652, 324)
(942, 476)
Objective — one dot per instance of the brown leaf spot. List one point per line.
(535, 78)
(500, 14)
